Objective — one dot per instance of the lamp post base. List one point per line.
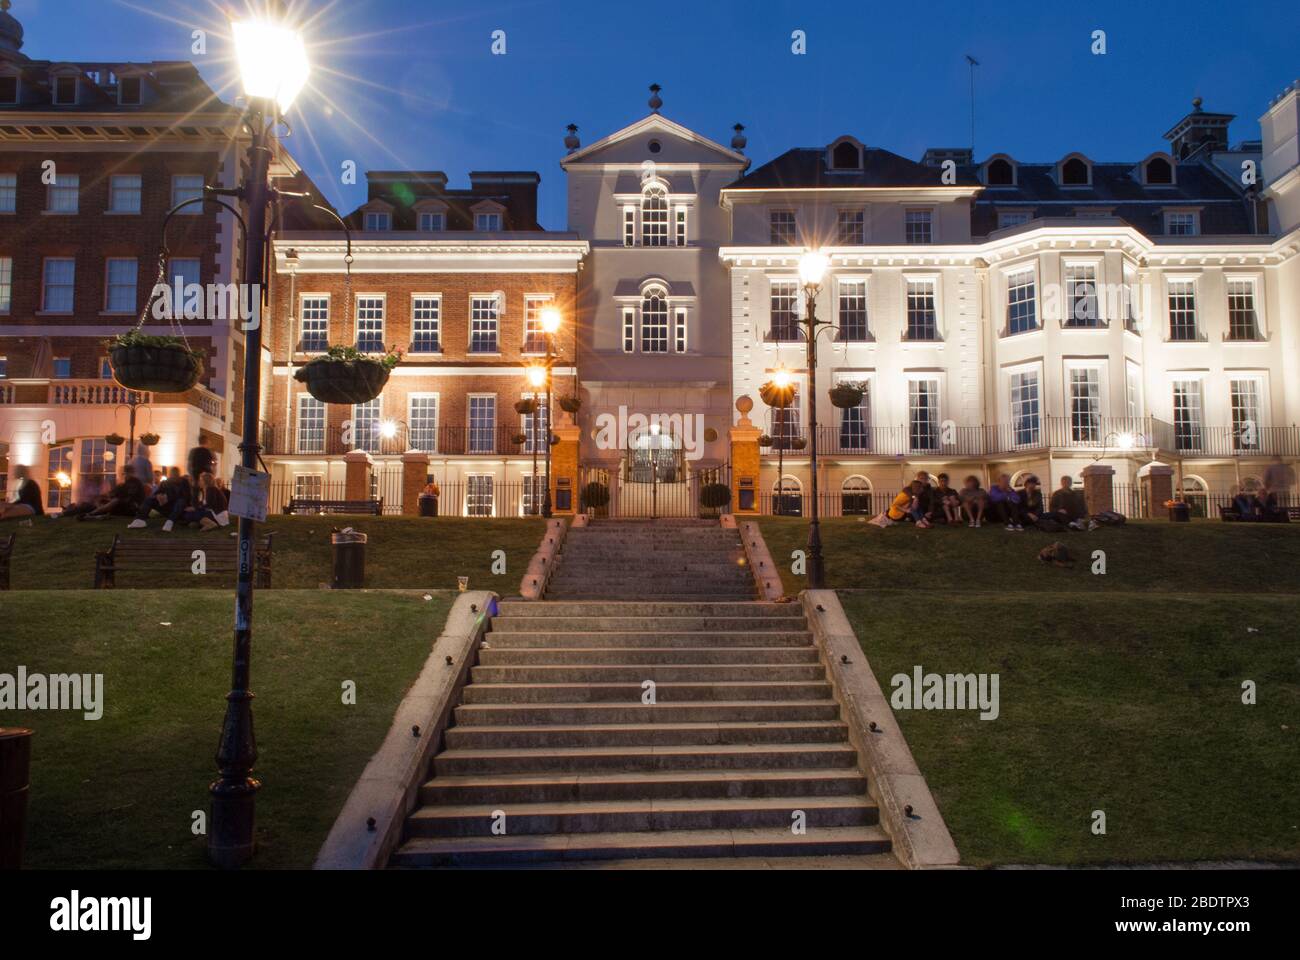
(230, 842)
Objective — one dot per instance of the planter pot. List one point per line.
(798, 443)
(775, 396)
(526, 407)
(169, 369)
(519, 439)
(343, 381)
(764, 441)
(846, 397)
(570, 404)
(1181, 513)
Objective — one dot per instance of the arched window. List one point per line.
(654, 321)
(654, 217)
(1000, 173)
(1018, 480)
(1074, 172)
(787, 497)
(845, 156)
(1197, 494)
(855, 496)
(1159, 171)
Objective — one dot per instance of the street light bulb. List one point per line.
(781, 378)
(1127, 441)
(388, 429)
(537, 376)
(272, 61)
(812, 267)
(550, 320)
(63, 478)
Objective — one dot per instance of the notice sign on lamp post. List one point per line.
(250, 493)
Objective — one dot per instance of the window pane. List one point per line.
(922, 321)
(917, 227)
(370, 324)
(534, 338)
(784, 304)
(1025, 408)
(654, 324)
(1245, 414)
(124, 194)
(923, 414)
(63, 193)
(853, 310)
(1182, 310)
(365, 426)
(483, 320)
(6, 283)
(311, 425)
(120, 296)
(1081, 296)
(58, 287)
(482, 424)
(422, 421)
(315, 323)
(188, 187)
(1022, 303)
(855, 422)
(8, 192)
(425, 330)
(1187, 415)
(1085, 405)
(851, 227)
(1242, 324)
(782, 227)
(654, 218)
(478, 495)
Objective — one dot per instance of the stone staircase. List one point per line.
(652, 560)
(552, 730)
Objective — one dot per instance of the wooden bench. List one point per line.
(176, 555)
(1234, 515)
(307, 506)
(6, 554)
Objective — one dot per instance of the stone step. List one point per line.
(627, 816)
(639, 673)
(764, 756)
(619, 639)
(720, 711)
(768, 842)
(525, 624)
(667, 692)
(528, 736)
(627, 656)
(642, 608)
(648, 785)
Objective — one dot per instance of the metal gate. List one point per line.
(669, 488)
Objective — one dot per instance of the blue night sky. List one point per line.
(428, 94)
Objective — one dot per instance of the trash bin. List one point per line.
(15, 764)
(349, 559)
(428, 505)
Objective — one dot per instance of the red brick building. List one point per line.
(456, 279)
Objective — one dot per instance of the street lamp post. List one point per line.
(273, 65)
(812, 270)
(550, 324)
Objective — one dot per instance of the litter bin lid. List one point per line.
(347, 536)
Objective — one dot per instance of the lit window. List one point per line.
(654, 323)
(426, 315)
(188, 186)
(484, 321)
(366, 432)
(1022, 302)
(1244, 397)
(478, 495)
(124, 193)
(534, 425)
(378, 221)
(679, 337)
(917, 226)
(58, 283)
(308, 486)
(370, 324)
(62, 195)
(680, 227)
(654, 218)
(120, 280)
(315, 324)
(534, 336)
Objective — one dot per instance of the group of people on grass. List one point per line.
(928, 502)
(196, 499)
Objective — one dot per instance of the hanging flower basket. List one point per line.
(345, 375)
(775, 396)
(527, 407)
(519, 439)
(154, 364)
(765, 441)
(846, 396)
(570, 404)
(115, 439)
(150, 439)
(798, 443)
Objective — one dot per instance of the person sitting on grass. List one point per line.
(906, 506)
(27, 498)
(927, 502)
(1067, 505)
(1032, 507)
(170, 498)
(209, 508)
(974, 500)
(1004, 503)
(123, 500)
(949, 501)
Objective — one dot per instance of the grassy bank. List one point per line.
(120, 791)
(403, 552)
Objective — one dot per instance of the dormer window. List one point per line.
(487, 222)
(1075, 171)
(128, 91)
(378, 221)
(433, 222)
(845, 154)
(1182, 223)
(1000, 172)
(1158, 171)
(9, 89)
(65, 91)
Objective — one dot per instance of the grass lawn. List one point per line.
(119, 791)
(1126, 703)
(403, 552)
(1141, 555)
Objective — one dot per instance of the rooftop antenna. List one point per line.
(973, 64)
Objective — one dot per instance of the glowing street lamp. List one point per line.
(273, 67)
(813, 266)
(388, 429)
(550, 321)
